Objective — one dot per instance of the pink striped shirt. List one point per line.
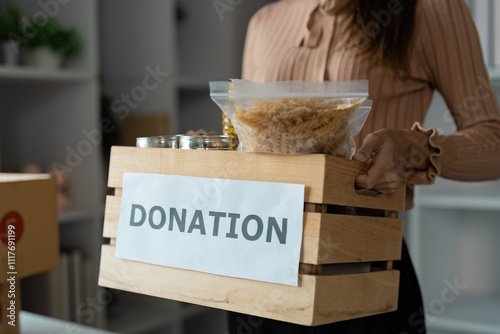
(306, 40)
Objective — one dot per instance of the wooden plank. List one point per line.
(344, 239)
(317, 300)
(366, 294)
(328, 180)
(111, 216)
(242, 295)
(339, 185)
(110, 229)
(219, 164)
(327, 238)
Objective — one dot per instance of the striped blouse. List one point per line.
(306, 40)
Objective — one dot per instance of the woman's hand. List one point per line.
(394, 155)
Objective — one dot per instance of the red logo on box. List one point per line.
(15, 219)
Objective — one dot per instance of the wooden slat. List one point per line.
(344, 239)
(371, 291)
(339, 186)
(111, 216)
(327, 238)
(317, 300)
(328, 180)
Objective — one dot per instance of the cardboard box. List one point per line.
(350, 238)
(28, 220)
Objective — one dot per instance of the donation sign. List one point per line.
(245, 229)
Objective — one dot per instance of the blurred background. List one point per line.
(128, 68)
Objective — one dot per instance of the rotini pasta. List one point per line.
(295, 125)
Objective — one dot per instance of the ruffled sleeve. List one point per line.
(428, 176)
(452, 57)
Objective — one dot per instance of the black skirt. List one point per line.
(408, 319)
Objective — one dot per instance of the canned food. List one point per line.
(205, 142)
(228, 130)
(158, 141)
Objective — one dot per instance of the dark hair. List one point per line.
(384, 31)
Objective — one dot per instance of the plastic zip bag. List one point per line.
(295, 116)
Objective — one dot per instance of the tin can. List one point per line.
(158, 141)
(205, 142)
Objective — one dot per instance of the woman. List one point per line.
(406, 49)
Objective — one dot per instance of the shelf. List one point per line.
(23, 73)
(135, 313)
(468, 314)
(448, 194)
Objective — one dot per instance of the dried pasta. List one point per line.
(295, 125)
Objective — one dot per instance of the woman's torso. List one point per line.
(298, 40)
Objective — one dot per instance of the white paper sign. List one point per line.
(243, 229)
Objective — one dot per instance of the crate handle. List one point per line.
(366, 192)
(363, 168)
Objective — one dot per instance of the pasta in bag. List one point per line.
(295, 116)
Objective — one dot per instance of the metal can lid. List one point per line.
(205, 142)
(158, 141)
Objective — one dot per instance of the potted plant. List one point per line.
(50, 44)
(10, 34)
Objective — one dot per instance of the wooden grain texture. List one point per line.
(339, 184)
(111, 216)
(327, 238)
(317, 300)
(344, 239)
(376, 291)
(328, 180)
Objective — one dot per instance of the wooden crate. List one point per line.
(341, 226)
